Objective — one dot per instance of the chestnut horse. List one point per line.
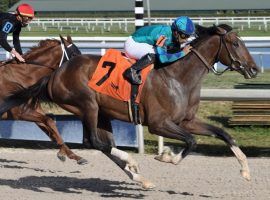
(169, 100)
(41, 60)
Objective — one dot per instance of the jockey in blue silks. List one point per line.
(151, 42)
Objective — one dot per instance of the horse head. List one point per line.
(232, 51)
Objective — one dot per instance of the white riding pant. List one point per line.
(137, 50)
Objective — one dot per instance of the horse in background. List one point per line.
(41, 60)
(169, 100)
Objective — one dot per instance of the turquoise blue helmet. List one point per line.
(184, 25)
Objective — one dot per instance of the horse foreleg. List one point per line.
(129, 166)
(50, 129)
(46, 124)
(170, 157)
(200, 128)
(169, 129)
(242, 159)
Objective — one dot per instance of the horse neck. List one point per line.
(190, 70)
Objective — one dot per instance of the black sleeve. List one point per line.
(16, 40)
(3, 41)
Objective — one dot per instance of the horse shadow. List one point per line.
(106, 188)
(11, 164)
(12, 161)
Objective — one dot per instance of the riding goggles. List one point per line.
(183, 35)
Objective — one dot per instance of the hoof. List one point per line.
(61, 157)
(82, 161)
(147, 185)
(164, 158)
(246, 175)
(177, 158)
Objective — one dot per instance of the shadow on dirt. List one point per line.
(106, 188)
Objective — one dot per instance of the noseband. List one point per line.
(210, 66)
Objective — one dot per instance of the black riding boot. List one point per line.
(132, 74)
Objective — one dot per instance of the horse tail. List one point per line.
(37, 92)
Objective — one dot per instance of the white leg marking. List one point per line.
(132, 168)
(242, 159)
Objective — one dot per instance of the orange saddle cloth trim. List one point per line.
(108, 77)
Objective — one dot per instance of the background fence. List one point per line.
(245, 21)
(258, 46)
(124, 25)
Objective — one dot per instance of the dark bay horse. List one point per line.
(169, 100)
(41, 60)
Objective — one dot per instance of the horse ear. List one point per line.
(62, 39)
(220, 31)
(69, 39)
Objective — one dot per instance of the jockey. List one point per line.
(150, 42)
(12, 23)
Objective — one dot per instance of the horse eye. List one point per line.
(235, 44)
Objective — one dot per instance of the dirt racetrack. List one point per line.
(38, 175)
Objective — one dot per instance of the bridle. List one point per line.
(64, 53)
(232, 58)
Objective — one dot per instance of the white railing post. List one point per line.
(103, 51)
(160, 144)
(261, 63)
(139, 133)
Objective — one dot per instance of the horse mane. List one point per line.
(212, 30)
(43, 44)
(204, 32)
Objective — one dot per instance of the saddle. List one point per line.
(108, 79)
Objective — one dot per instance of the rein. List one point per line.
(6, 62)
(31, 62)
(206, 64)
(209, 66)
